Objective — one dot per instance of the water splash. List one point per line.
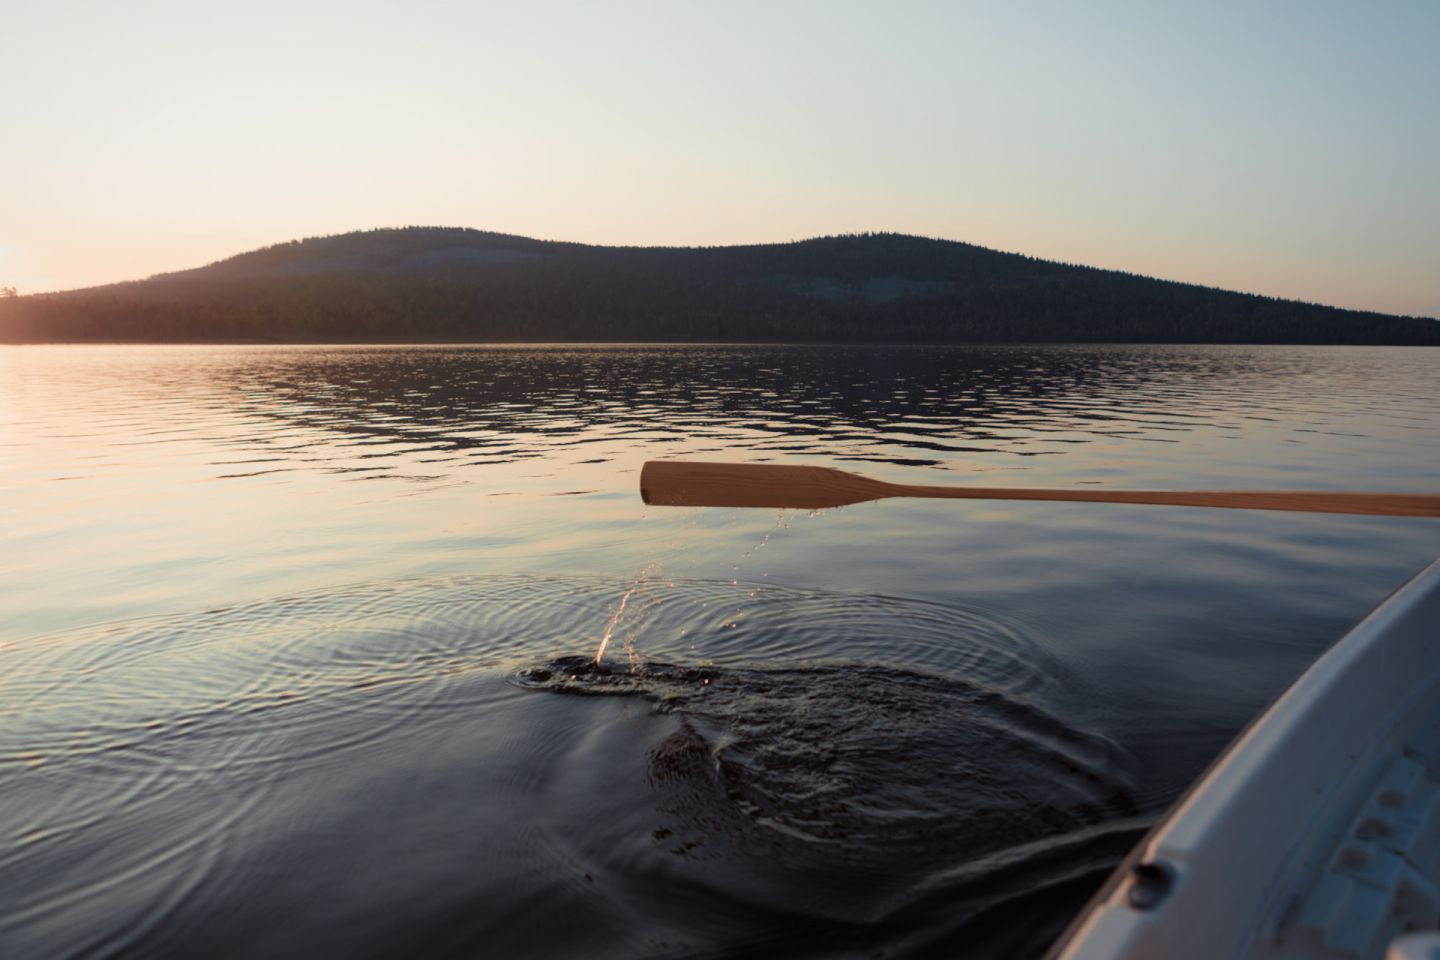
(650, 570)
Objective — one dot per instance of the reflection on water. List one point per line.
(423, 414)
(300, 653)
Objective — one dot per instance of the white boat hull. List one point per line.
(1317, 834)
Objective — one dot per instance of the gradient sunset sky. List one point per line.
(1287, 148)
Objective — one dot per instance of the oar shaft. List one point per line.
(1307, 501)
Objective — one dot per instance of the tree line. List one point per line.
(418, 284)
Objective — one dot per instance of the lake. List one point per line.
(297, 646)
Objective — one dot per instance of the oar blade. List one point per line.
(670, 483)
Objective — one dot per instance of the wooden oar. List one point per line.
(673, 483)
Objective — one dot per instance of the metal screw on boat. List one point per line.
(1149, 883)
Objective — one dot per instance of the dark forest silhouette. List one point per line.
(450, 284)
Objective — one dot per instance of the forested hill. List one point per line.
(444, 284)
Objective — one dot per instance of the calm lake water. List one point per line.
(293, 655)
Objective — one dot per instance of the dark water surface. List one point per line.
(297, 654)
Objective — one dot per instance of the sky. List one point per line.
(1283, 147)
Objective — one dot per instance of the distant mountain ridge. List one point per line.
(449, 284)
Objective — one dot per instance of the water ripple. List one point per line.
(172, 778)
